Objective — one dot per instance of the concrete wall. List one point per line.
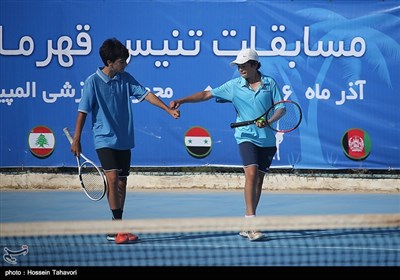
(223, 181)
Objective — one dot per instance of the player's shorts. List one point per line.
(112, 159)
(254, 155)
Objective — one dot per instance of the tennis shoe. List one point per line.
(123, 238)
(132, 237)
(252, 235)
(111, 236)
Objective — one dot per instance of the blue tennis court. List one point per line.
(359, 247)
(56, 205)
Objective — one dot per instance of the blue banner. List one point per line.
(338, 59)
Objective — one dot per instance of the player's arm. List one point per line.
(196, 97)
(277, 115)
(154, 100)
(76, 143)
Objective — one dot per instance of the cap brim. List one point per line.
(235, 62)
(238, 62)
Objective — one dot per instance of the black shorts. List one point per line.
(111, 159)
(254, 155)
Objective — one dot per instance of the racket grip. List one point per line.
(66, 132)
(233, 125)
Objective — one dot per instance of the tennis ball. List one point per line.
(261, 119)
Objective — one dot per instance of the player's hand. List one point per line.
(175, 113)
(261, 122)
(76, 148)
(174, 104)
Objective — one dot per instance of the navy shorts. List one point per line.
(111, 159)
(254, 155)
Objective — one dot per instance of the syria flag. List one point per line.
(198, 142)
(41, 141)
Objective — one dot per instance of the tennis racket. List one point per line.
(278, 119)
(91, 177)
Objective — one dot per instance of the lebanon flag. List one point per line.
(41, 141)
(198, 142)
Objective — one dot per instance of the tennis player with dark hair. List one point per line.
(251, 95)
(107, 95)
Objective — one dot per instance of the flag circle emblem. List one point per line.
(41, 141)
(198, 142)
(356, 144)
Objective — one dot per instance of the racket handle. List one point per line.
(66, 132)
(233, 125)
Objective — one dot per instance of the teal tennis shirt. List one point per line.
(110, 103)
(250, 104)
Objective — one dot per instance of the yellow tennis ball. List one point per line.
(260, 120)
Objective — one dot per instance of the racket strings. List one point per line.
(92, 180)
(289, 121)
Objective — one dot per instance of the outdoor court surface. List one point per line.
(294, 248)
(55, 205)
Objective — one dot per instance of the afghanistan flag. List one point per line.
(356, 144)
(41, 141)
(198, 142)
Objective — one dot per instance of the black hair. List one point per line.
(112, 49)
(252, 62)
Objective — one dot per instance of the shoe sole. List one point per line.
(127, 241)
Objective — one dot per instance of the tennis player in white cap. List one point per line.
(251, 94)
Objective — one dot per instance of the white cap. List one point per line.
(244, 56)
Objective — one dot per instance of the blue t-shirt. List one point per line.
(250, 104)
(110, 103)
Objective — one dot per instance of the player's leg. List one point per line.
(248, 153)
(265, 156)
(113, 194)
(116, 164)
(109, 163)
(250, 189)
(124, 162)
